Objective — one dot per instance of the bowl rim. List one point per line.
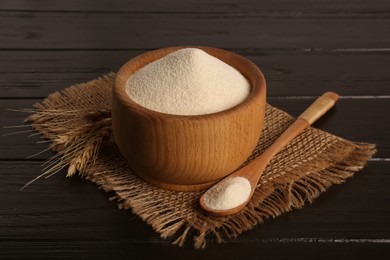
(119, 88)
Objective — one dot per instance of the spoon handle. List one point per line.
(319, 107)
(254, 169)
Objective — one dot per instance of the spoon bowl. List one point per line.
(253, 171)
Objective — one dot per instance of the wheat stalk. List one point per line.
(78, 144)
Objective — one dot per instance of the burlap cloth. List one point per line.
(78, 122)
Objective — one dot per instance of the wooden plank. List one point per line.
(303, 48)
(67, 217)
(45, 30)
(70, 200)
(35, 74)
(358, 120)
(71, 249)
(25, 143)
(74, 249)
(217, 6)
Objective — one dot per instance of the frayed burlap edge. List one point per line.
(176, 215)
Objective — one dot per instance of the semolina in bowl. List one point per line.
(187, 152)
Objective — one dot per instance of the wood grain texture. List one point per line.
(303, 47)
(320, 106)
(74, 249)
(41, 30)
(254, 170)
(351, 119)
(299, 7)
(50, 207)
(69, 218)
(35, 74)
(187, 152)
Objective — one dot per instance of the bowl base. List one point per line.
(176, 187)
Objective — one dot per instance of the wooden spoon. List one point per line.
(254, 169)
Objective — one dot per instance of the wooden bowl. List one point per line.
(187, 153)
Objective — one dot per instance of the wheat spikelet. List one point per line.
(77, 143)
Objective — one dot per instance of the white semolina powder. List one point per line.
(228, 194)
(188, 82)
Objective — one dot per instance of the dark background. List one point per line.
(303, 47)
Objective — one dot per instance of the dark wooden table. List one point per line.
(304, 48)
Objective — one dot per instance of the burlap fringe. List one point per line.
(283, 197)
(291, 190)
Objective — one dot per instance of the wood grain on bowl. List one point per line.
(187, 152)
